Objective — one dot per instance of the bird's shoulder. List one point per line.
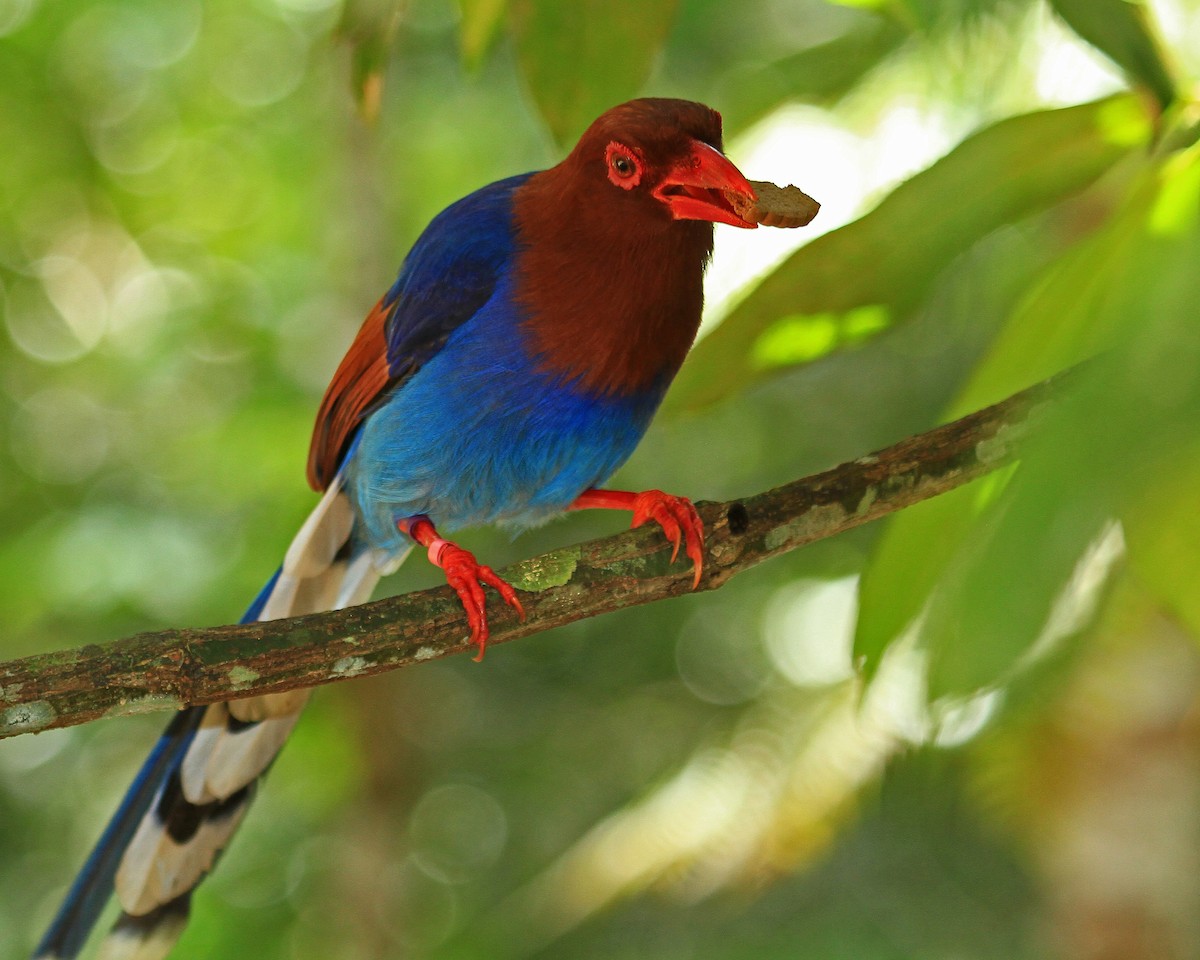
(451, 271)
(466, 244)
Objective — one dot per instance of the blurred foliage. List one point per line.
(1124, 31)
(870, 275)
(968, 733)
(574, 74)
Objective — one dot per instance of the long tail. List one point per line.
(194, 788)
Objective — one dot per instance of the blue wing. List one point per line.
(450, 273)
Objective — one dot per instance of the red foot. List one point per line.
(464, 573)
(676, 515)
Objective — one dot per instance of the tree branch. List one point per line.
(169, 669)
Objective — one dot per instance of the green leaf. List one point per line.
(989, 574)
(886, 261)
(1124, 32)
(481, 21)
(800, 339)
(1056, 326)
(994, 598)
(1164, 539)
(581, 58)
(369, 26)
(930, 16)
(820, 74)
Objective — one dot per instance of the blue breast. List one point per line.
(479, 436)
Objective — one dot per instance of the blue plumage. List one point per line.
(478, 434)
(450, 273)
(506, 443)
(510, 369)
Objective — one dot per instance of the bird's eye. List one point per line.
(624, 166)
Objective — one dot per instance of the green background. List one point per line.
(998, 756)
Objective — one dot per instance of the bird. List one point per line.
(514, 364)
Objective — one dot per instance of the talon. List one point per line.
(464, 574)
(670, 527)
(507, 594)
(679, 521)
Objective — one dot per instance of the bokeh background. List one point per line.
(971, 733)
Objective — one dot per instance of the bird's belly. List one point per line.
(471, 450)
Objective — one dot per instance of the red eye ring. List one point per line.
(624, 166)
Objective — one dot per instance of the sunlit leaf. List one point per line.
(1164, 538)
(1070, 315)
(481, 21)
(1004, 578)
(801, 339)
(869, 4)
(995, 597)
(930, 15)
(1056, 326)
(370, 27)
(1122, 30)
(581, 58)
(820, 73)
(1099, 455)
(887, 260)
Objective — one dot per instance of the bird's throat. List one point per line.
(612, 306)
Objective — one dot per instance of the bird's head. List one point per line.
(614, 241)
(664, 157)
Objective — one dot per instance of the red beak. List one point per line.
(700, 186)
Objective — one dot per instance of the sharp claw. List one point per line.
(502, 587)
(479, 632)
(695, 541)
(670, 526)
(465, 574)
(695, 550)
(679, 521)
(510, 597)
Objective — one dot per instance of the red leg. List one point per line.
(676, 515)
(464, 573)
